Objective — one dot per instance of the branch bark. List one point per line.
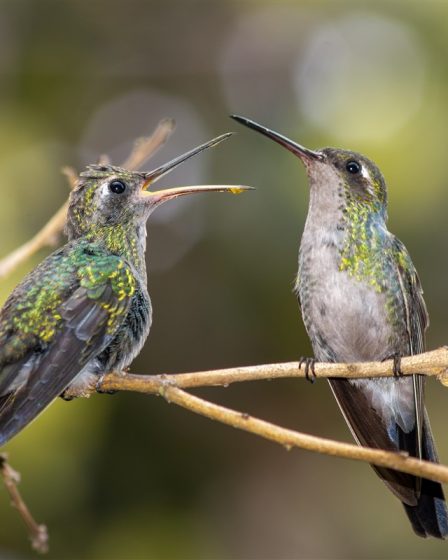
(291, 438)
(434, 363)
(38, 533)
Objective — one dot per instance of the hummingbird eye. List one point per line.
(353, 167)
(117, 187)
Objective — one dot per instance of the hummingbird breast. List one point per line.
(347, 318)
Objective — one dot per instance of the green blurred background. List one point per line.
(129, 476)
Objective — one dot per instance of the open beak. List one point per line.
(174, 192)
(303, 153)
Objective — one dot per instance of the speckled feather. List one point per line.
(84, 310)
(361, 300)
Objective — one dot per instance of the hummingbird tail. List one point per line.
(429, 517)
(422, 499)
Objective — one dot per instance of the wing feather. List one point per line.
(93, 301)
(417, 320)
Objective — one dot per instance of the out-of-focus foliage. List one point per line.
(129, 476)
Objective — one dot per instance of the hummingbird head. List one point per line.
(332, 171)
(108, 196)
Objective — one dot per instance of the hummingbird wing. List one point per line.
(423, 499)
(429, 516)
(60, 317)
(403, 428)
(417, 321)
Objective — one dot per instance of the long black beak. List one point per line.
(156, 197)
(303, 153)
(153, 176)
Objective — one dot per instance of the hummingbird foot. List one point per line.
(101, 391)
(396, 368)
(83, 385)
(310, 374)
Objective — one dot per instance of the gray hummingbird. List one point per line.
(85, 310)
(361, 300)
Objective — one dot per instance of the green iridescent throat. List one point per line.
(120, 239)
(363, 249)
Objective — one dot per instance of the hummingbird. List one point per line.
(85, 310)
(361, 300)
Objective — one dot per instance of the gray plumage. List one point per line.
(361, 300)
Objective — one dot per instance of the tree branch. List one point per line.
(11, 478)
(434, 363)
(290, 438)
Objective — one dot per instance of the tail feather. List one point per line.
(429, 517)
(423, 499)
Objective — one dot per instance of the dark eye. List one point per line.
(117, 187)
(353, 167)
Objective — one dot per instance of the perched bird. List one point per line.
(361, 300)
(85, 310)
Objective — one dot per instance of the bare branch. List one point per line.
(433, 363)
(49, 235)
(170, 386)
(290, 438)
(70, 175)
(38, 533)
(144, 148)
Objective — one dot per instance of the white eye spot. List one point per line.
(104, 190)
(365, 172)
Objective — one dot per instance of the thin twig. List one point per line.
(433, 363)
(71, 176)
(50, 234)
(290, 438)
(38, 533)
(170, 386)
(144, 148)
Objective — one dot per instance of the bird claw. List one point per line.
(101, 391)
(66, 396)
(396, 368)
(310, 374)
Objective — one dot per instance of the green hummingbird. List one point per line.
(361, 300)
(85, 310)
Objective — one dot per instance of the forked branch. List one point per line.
(171, 388)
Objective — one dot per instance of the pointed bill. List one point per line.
(153, 176)
(174, 192)
(303, 153)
